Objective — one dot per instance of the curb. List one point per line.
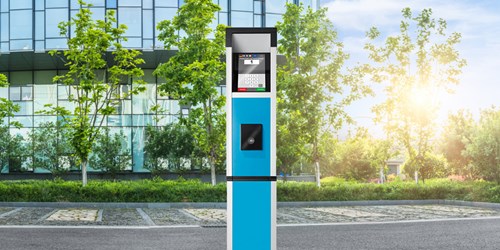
(115, 205)
(222, 205)
(358, 203)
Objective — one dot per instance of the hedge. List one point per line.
(110, 191)
(197, 191)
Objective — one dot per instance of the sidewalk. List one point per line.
(214, 214)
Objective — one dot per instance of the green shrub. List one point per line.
(107, 191)
(181, 190)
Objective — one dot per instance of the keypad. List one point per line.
(251, 80)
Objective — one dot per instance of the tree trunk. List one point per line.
(382, 177)
(84, 173)
(318, 174)
(212, 171)
(416, 177)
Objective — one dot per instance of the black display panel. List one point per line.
(251, 72)
(251, 136)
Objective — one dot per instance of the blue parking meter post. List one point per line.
(251, 138)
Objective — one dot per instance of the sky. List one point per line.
(478, 21)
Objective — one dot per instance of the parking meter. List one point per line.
(251, 138)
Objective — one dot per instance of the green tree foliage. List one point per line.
(328, 145)
(381, 150)
(312, 91)
(7, 107)
(11, 150)
(414, 66)
(430, 166)
(110, 153)
(194, 72)
(355, 158)
(456, 135)
(484, 148)
(52, 148)
(167, 148)
(10, 146)
(3, 81)
(290, 147)
(359, 157)
(95, 94)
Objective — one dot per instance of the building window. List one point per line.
(147, 4)
(257, 7)
(4, 27)
(21, 93)
(166, 3)
(132, 18)
(39, 25)
(21, 24)
(54, 3)
(15, 93)
(20, 4)
(272, 19)
(130, 3)
(95, 3)
(27, 93)
(53, 18)
(223, 18)
(45, 94)
(40, 5)
(241, 19)
(111, 4)
(160, 15)
(276, 6)
(223, 5)
(245, 5)
(4, 6)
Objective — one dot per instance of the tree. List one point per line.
(96, 85)
(484, 148)
(414, 66)
(431, 166)
(456, 136)
(156, 149)
(9, 145)
(353, 157)
(110, 153)
(290, 146)
(310, 82)
(168, 147)
(7, 107)
(381, 150)
(11, 148)
(52, 148)
(194, 72)
(328, 145)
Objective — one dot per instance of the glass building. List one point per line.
(29, 29)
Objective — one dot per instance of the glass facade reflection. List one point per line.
(28, 30)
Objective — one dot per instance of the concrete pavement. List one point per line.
(215, 216)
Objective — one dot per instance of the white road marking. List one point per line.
(388, 222)
(145, 217)
(10, 212)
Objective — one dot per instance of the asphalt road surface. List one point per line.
(455, 234)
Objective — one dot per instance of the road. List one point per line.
(481, 234)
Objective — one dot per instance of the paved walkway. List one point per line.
(216, 217)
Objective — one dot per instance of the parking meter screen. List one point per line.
(252, 72)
